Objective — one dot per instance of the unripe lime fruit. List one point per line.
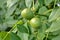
(27, 13)
(35, 22)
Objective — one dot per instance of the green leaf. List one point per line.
(1, 19)
(11, 10)
(44, 9)
(11, 23)
(56, 38)
(41, 32)
(41, 2)
(44, 27)
(2, 2)
(12, 36)
(43, 23)
(17, 11)
(3, 27)
(10, 3)
(22, 28)
(28, 3)
(2, 11)
(2, 15)
(56, 32)
(54, 14)
(40, 36)
(23, 36)
(32, 37)
(2, 35)
(47, 2)
(22, 5)
(55, 26)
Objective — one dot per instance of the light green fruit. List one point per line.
(35, 22)
(27, 13)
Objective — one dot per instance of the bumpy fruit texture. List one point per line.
(35, 22)
(27, 13)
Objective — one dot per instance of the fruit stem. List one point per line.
(47, 36)
(54, 3)
(33, 3)
(10, 31)
(47, 11)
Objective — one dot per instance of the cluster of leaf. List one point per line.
(10, 20)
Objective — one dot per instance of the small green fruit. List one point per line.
(35, 22)
(27, 13)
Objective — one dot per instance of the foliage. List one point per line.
(29, 19)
